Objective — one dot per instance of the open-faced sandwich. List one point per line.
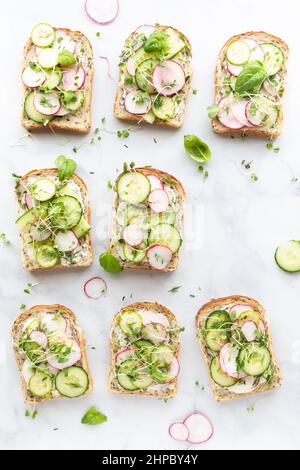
(49, 347)
(235, 340)
(154, 76)
(250, 81)
(57, 77)
(53, 220)
(147, 220)
(144, 349)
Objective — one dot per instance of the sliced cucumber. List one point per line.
(47, 256)
(32, 113)
(287, 256)
(160, 374)
(219, 319)
(141, 55)
(48, 58)
(149, 117)
(33, 325)
(218, 375)
(72, 382)
(215, 339)
(238, 52)
(174, 43)
(82, 228)
(267, 110)
(125, 381)
(249, 315)
(273, 59)
(27, 219)
(43, 189)
(126, 213)
(76, 103)
(129, 366)
(134, 254)
(164, 107)
(52, 81)
(131, 323)
(34, 351)
(64, 213)
(145, 349)
(143, 75)
(68, 189)
(142, 380)
(165, 234)
(162, 355)
(40, 384)
(43, 35)
(133, 187)
(254, 359)
(168, 217)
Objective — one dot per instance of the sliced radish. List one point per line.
(226, 116)
(66, 241)
(54, 323)
(46, 103)
(200, 428)
(228, 361)
(158, 200)
(134, 107)
(73, 79)
(257, 52)
(154, 332)
(238, 309)
(174, 370)
(238, 109)
(39, 232)
(262, 327)
(133, 234)
(155, 182)
(145, 29)
(153, 317)
(124, 354)
(73, 357)
(249, 330)
(168, 78)
(103, 11)
(95, 288)
(159, 256)
(62, 111)
(102, 57)
(234, 70)
(256, 119)
(27, 370)
(33, 78)
(179, 432)
(246, 385)
(27, 200)
(64, 41)
(131, 66)
(40, 338)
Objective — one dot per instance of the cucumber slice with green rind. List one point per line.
(75, 103)
(52, 81)
(238, 53)
(149, 117)
(164, 108)
(249, 315)
(47, 256)
(43, 35)
(143, 75)
(218, 376)
(82, 228)
(274, 58)
(215, 339)
(165, 234)
(72, 382)
(48, 58)
(130, 323)
(133, 187)
(64, 213)
(25, 220)
(42, 189)
(162, 355)
(287, 256)
(40, 384)
(174, 43)
(254, 359)
(32, 113)
(142, 380)
(219, 319)
(134, 254)
(125, 381)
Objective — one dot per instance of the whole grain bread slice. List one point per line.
(76, 332)
(112, 246)
(223, 394)
(215, 123)
(113, 386)
(27, 264)
(79, 122)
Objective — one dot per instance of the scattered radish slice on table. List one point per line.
(66, 241)
(95, 288)
(124, 355)
(73, 79)
(158, 200)
(46, 103)
(200, 428)
(155, 182)
(159, 256)
(33, 78)
(108, 67)
(73, 357)
(179, 432)
(249, 330)
(168, 78)
(40, 338)
(102, 11)
(133, 234)
(134, 107)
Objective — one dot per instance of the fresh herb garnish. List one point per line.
(250, 80)
(174, 289)
(109, 185)
(66, 167)
(29, 287)
(157, 42)
(22, 306)
(110, 263)
(93, 417)
(196, 148)
(254, 177)
(123, 133)
(4, 239)
(212, 111)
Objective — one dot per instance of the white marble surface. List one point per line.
(241, 222)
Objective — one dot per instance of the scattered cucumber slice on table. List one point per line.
(287, 256)
(65, 212)
(43, 35)
(133, 187)
(47, 256)
(143, 75)
(238, 52)
(164, 107)
(254, 359)
(40, 384)
(130, 323)
(218, 375)
(72, 382)
(43, 189)
(165, 234)
(32, 113)
(273, 59)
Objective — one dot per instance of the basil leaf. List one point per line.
(66, 58)
(93, 417)
(250, 80)
(65, 166)
(196, 148)
(156, 42)
(213, 111)
(109, 263)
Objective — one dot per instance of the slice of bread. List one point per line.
(119, 106)
(113, 245)
(159, 390)
(80, 121)
(261, 37)
(222, 394)
(87, 259)
(75, 330)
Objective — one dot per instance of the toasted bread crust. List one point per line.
(215, 123)
(79, 336)
(79, 122)
(135, 306)
(145, 265)
(222, 395)
(25, 261)
(121, 113)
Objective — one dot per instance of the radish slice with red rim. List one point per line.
(72, 358)
(27, 370)
(168, 78)
(40, 338)
(174, 370)
(237, 309)
(46, 103)
(102, 11)
(39, 231)
(131, 66)
(228, 361)
(108, 67)
(66, 241)
(179, 432)
(134, 107)
(124, 354)
(145, 29)
(154, 332)
(159, 256)
(63, 41)
(155, 182)
(95, 288)
(27, 200)
(234, 70)
(200, 428)
(133, 234)
(238, 109)
(33, 78)
(249, 330)
(54, 323)
(226, 116)
(62, 112)
(73, 79)
(158, 200)
(245, 385)
(253, 114)
(257, 52)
